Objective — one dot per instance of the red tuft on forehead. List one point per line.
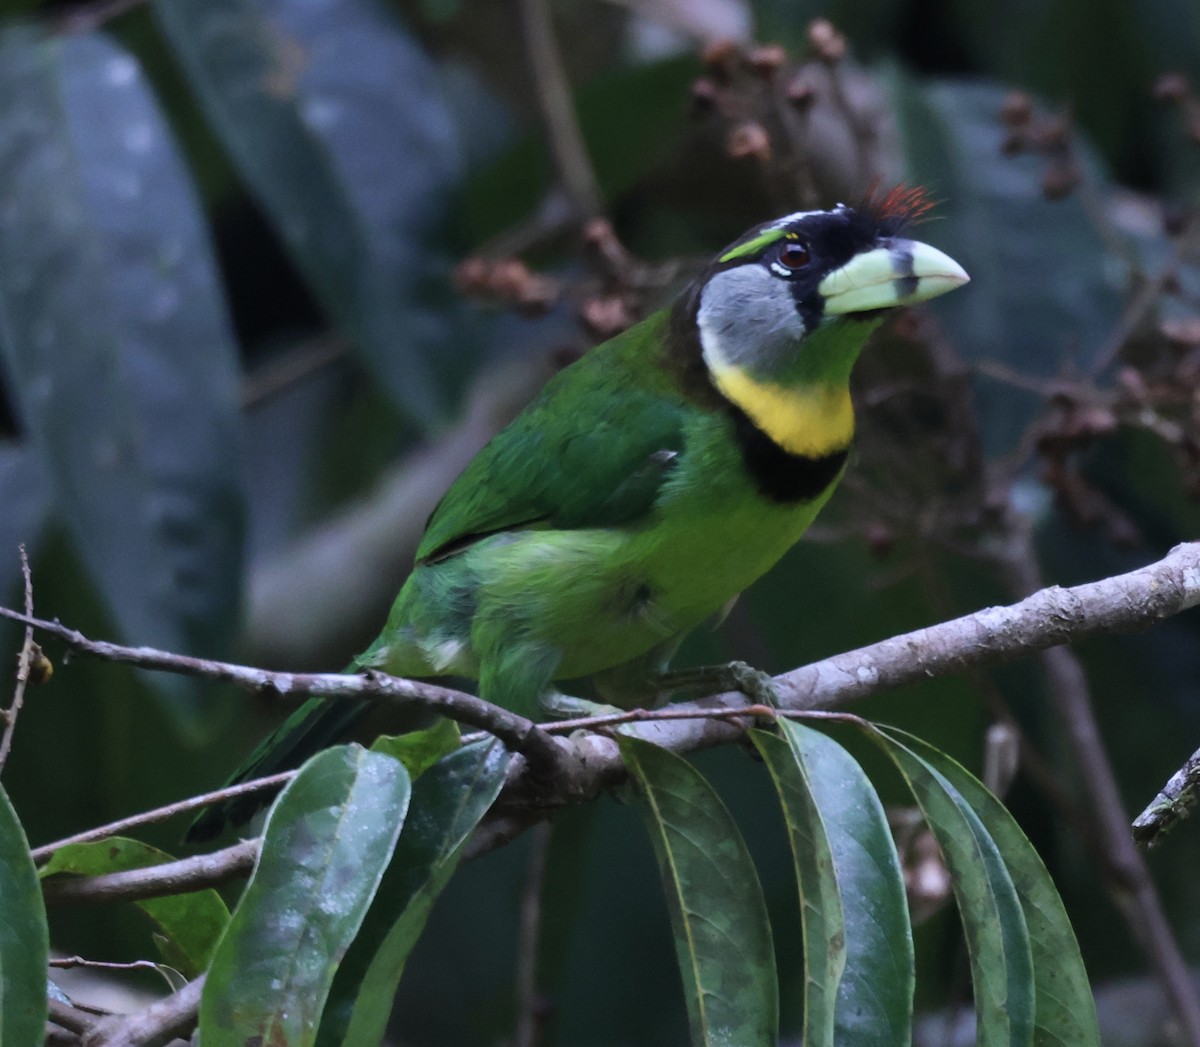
(899, 207)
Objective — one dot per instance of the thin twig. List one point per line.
(1128, 877)
(24, 661)
(1146, 298)
(518, 733)
(530, 1012)
(154, 881)
(68, 963)
(558, 112)
(161, 814)
(291, 368)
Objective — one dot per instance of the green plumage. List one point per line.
(610, 518)
(632, 500)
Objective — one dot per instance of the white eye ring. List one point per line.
(799, 258)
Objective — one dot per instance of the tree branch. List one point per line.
(558, 112)
(163, 1021)
(1127, 876)
(589, 761)
(1049, 618)
(24, 664)
(161, 814)
(1173, 803)
(153, 881)
(518, 733)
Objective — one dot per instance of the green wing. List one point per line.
(592, 450)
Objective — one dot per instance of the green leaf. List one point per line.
(448, 801)
(420, 750)
(858, 951)
(190, 924)
(993, 921)
(328, 838)
(335, 119)
(722, 936)
(1064, 1010)
(995, 220)
(24, 940)
(115, 333)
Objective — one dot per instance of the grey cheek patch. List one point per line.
(749, 319)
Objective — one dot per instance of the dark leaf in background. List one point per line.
(189, 924)
(25, 495)
(448, 801)
(621, 150)
(1042, 285)
(116, 335)
(722, 936)
(328, 839)
(24, 940)
(336, 121)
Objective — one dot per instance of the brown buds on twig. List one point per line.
(705, 94)
(828, 44)
(801, 92)
(1171, 88)
(606, 300)
(1017, 109)
(721, 59)
(1048, 136)
(767, 60)
(750, 139)
(507, 279)
(600, 240)
(1174, 88)
(606, 315)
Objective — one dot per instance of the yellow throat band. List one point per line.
(812, 420)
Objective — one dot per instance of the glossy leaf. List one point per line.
(722, 935)
(24, 940)
(448, 801)
(334, 118)
(189, 924)
(994, 219)
(328, 838)
(858, 951)
(1064, 1011)
(993, 922)
(420, 750)
(115, 333)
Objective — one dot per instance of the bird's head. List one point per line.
(782, 313)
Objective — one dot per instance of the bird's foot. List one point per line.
(708, 679)
(558, 706)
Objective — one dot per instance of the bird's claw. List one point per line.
(754, 684)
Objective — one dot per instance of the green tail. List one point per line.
(315, 725)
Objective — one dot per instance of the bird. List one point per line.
(649, 483)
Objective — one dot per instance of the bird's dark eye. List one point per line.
(793, 255)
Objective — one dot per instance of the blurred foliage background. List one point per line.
(260, 300)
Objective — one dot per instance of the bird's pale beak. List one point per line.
(897, 272)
